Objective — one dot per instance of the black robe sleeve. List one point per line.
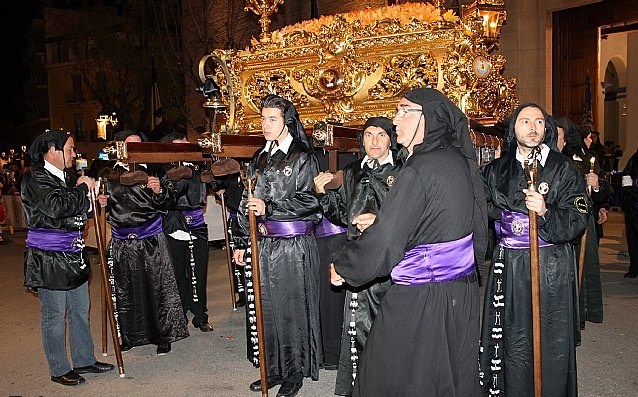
(381, 246)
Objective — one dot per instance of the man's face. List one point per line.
(69, 152)
(272, 124)
(530, 127)
(406, 120)
(376, 142)
(561, 139)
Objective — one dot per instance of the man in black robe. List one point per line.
(56, 205)
(562, 209)
(630, 208)
(427, 235)
(187, 236)
(355, 203)
(573, 144)
(287, 209)
(148, 307)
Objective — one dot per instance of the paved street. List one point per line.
(214, 364)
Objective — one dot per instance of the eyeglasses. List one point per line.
(401, 112)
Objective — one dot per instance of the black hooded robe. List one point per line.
(362, 191)
(289, 267)
(424, 340)
(147, 300)
(506, 358)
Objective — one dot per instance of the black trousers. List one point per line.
(192, 290)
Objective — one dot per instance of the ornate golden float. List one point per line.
(345, 68)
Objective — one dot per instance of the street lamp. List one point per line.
(102, 121)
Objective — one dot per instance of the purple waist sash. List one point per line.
(194, 218)
(233, 214)
(435, 263)
(284, 229)
(327, 228)
(53, 240)
(145, 230)
(515, 231)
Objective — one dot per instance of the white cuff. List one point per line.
(627, 181)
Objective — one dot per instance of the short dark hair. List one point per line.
(172, 136)
(272, 101)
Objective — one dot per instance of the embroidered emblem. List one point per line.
(581, 204)
(189, 219)
(390, 180)
(287, 171)
(543, 188)
(518, 227)
(262, 229)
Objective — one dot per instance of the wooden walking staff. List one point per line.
(249, 183)
(583, 240)
(99, 218)
(531, 169)
(101, 248)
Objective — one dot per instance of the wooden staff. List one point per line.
(104, 292)
(231, 273)
(101, 248)
(536, 284)
(583, 240)
(252, 220)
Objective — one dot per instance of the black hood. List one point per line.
(43, 141)
(446, 125)
(383, 123)
(293, 122)
(574, 141)
(551, 133)
(122, 135)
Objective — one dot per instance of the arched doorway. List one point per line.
(614, 86)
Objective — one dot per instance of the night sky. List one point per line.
(15, 21)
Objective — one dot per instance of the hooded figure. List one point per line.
(507, 320)
(44, 141)
(365, 185)
(287, 211)
(424, 339)
(590, 297)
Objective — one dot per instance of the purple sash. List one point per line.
(515, 231)
(145, 230)
(233, 214)
(327, 228)
(53, 240)
(284, 229)
(194, 218)
(435, 263)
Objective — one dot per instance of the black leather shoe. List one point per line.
(206, 327)
(125, 347)
(96, 368)
(241, 302)
(163, 348)
(71, 378)
(631, 274)
(289, 389)
(256, 385)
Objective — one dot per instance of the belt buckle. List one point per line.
(132, 236)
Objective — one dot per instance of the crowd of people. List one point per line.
(373, 271)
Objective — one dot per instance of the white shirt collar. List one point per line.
(54, 170)
(283, 146)
(544, 153)
(387, 160)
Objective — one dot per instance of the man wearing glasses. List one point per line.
(429, 230)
